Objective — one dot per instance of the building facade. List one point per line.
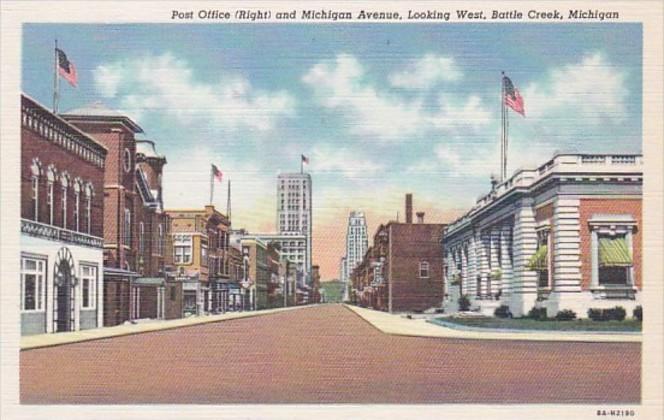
(201, 258)
(62, 213)
(357, 243)
(135, 226)
(403, 270)
(566, 235)
(294, 213)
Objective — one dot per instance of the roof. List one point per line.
(98, 111)
(75, 129)
(147, 149)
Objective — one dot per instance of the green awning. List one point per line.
(613, 252)
(538, 262)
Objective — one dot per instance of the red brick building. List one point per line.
(403, 270)
(135, 226)
(62, 210)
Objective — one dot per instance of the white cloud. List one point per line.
(342, 85)
(455, 113)
(591, 91)
(327, 159)
(187, 185)
(167, 85)
(426, 72)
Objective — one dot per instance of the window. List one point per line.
(77, 206)
(126, 160)
(160, 239)
(127, 228)
(182, 246)
(64, 181)
(615, 260)
(35, 197)
(49, 201)
(88, 286)
(424, 270)
(88, 208)
(33, 276)
(204, 255)
(539, 262)
(141, 237)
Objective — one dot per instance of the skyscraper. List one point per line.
(294, 216)
(356, 242)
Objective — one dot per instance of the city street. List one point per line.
(325, 354)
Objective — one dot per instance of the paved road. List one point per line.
(325, 354)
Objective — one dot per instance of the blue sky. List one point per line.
(381, 110)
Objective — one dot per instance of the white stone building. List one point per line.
(566, 235)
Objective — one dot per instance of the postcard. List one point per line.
(332, 209)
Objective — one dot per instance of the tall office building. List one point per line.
(356, 242)
(294, 216)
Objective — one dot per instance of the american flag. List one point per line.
(216, 173)
(513, 98)
(305, 160)
(66, 68)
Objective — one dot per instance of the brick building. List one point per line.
(566, 235)
(62, 210)
(201, 258)
(403, 270)
(135, 227)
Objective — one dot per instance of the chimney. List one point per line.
(420, 217)
(409, 208)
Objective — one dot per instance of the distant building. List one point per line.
(403, 270)
(201, 258)
(357, 243)
(62, 210)
(294, 213)
(566, 235)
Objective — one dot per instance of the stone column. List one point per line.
(524, 284)
(505, 263)
(481, 248)
(472, 266)
(565, 246)
(494, 259)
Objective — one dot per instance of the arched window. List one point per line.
(50, 180)
(35, 168)
(64, 182)
(77, 204)
(89, 192)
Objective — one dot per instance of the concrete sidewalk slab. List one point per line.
(56, 339)
(398, 325)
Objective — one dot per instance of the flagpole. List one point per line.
(301, 165)
(503, 117)
(211, 184)
(56, 82)
(228, 201)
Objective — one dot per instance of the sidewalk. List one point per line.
(398, 325)
(56, 339)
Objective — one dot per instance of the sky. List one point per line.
(380, 110)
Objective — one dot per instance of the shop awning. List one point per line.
(613, 252)
(538, 262)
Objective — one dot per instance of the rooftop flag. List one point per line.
(512, 97)
(66, 68)
(216, 173)
(305, 160)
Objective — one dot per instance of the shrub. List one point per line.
(503, 311)
(537, 313)
(617, 313)
(464, 303)
(638, 313)
(565, 315)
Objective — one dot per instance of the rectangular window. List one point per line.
(182, 248)
(204, 255)
(33, 287)
(141, 237)
(539, 262)
(127, 228)
(424, 270)
(88, 218)
(615, 260)
(88, 289)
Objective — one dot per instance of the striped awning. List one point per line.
(538, 262)
(613, 252)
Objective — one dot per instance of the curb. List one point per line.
(460, 327)
(31, 342)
